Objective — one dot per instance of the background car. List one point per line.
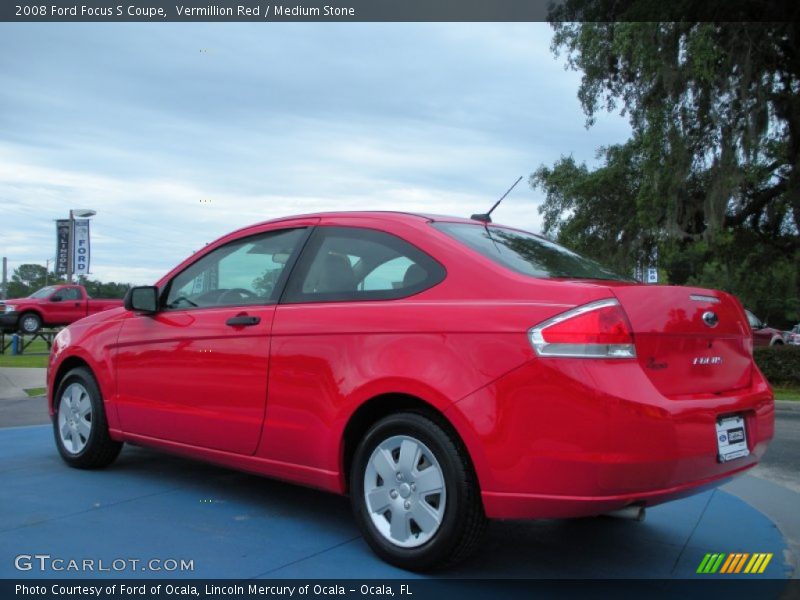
(51, 306)
(792, 336)
(762, 334)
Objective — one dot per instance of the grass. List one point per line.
(26, 360)
(35, 356)
(784, 393)
(34, 392)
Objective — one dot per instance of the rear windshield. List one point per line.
(526, 253)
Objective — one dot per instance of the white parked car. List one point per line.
(793, 337)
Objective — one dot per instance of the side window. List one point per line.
(244, 272)
(753, 320)
(350, 263)
(70, 293)
(390, 275)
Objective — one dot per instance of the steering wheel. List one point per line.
(243, 295)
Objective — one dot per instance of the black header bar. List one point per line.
(396, 10)
(410, 588)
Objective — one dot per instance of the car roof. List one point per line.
(397, 216)
(392, 215)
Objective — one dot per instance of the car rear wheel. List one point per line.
(80, 425)
(30, 323)
(415, 495)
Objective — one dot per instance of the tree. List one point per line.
(595, 212)
(26, 279)
(29, 275)
(98, 289)
(265, 284)
(711, 175)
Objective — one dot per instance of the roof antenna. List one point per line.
(487, 217)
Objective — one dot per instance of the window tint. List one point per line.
(526, 253)
(241, 273)
(389, 275)
(70, 294)
(349, 263)
(42, 293)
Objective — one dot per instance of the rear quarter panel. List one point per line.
(327, 360)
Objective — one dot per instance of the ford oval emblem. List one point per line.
(710, 318)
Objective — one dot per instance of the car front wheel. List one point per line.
(80, 425)
(30, 323)
(415, 495)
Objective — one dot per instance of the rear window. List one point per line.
(526, 253)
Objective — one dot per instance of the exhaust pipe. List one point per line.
(634, 512)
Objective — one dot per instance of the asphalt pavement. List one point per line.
(773, 487)
(234, 525)
(16, 407)
(15, 380)
(781, 464)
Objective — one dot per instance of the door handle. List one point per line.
(243, 321)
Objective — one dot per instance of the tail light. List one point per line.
(595, 330)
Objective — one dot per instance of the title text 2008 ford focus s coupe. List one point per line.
(438, 370)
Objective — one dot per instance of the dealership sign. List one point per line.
(80, 247)
(62, 246)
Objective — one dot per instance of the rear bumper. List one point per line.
(569, 437)
(502, 505)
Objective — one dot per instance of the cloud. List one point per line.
(174, 147)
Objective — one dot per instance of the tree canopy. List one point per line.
(29, 277)
(709, 182)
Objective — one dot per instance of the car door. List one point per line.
(195, 372)
(761, 336)
(66, 305)
(333, 323)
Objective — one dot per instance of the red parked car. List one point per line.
(51, 306)
(763, 335)
(438, 370)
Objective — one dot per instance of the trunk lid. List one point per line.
(688, 340)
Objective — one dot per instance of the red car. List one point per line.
(51, 306)
(763, 335)
(438, 370)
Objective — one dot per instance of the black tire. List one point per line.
(463, 522)
(30, 322)
(99, 449)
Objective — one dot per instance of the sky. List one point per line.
(178, 133)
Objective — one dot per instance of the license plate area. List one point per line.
(731, 438)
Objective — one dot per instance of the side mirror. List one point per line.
(56, 298)
(142, 299)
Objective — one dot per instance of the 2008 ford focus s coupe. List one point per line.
(440, 371)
